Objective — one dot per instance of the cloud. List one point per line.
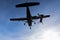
(47, 34)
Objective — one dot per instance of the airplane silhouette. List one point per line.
(29, 18)
(41, 16)
(28, 15)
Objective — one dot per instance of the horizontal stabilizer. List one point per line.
(27, 4)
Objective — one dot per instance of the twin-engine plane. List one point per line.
(29, 19)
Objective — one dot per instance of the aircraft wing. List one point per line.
(37, 17)
(18, 19)
(46, 16)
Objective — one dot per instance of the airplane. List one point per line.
(41, 16)
(29, 18)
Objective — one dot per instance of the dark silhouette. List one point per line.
(28, 18)
(41, 17)
(27, 4)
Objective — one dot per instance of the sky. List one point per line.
(49, 30)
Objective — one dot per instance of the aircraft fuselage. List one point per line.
(29, 18)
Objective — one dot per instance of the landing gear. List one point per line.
(24, 23)
(34, 22)
(30, 27)
(42, 22)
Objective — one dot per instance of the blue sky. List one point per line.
(49, 30)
